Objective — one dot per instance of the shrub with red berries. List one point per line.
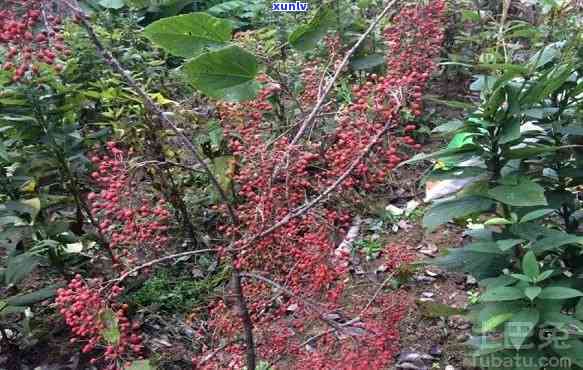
(100, 325)
(275, 179)
(131, 221)
(30, 34)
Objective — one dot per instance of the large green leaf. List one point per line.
(504, 293)
(521, 326)
(530, 265)
(306, 36)
(559, 292)
(555, 241)
(227, 73)
(187, 35)
(526, 193)
(446, 211)
(18, 267)
(33, 297)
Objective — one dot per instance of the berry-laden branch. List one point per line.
(311, 204)
(153, 107)
(324, 94)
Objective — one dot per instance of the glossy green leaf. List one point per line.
(526, 193)
(535, 215)
(189, 34)
(530, 265)
(33, 297)
(507, 244)
(18, 267)
(306, 36)
(446, 211)
(558, 292)
(227, 73)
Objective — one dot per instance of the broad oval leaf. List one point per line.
(187, 35)
(530, 265)
(504, 293)
(33, 297)
(535, 215)
(559, 292)
(228, 73)
(526, 193)
(306, 36)
(446, 211)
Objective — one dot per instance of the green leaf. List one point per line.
(510, 131)
(222, 169)
(544, 275)
(558, 292)
(529, 151)
(502, 294)
(483, 247)
(227, 73)
(507, 244)
(502, 280)
(449, 126)
(532, 292)
(461, 139)
(368, 62)
(189, 34)
(444, 212)
(18, 267)
(440, 153)
(494, 322)
(530, 265)
(33, 297)
(306, 36)
(535, 215)
(526, 193)
(492, 315)
(112, 4)
(521, 326)
(555, 241)
(498, 221)
(110, 332)
(546, 55)
(28, 206)
(522, 277)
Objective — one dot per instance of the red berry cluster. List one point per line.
(131, 222)
(30, 35)
(89, 314)
(301, 254)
